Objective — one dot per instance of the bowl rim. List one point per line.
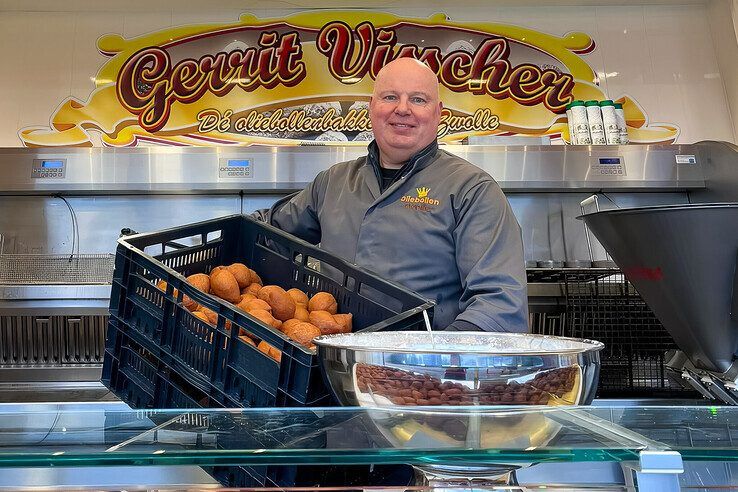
(324, 341)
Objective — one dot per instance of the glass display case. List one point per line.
(653, 444)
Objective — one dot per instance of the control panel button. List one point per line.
(235, 168)
(52, 168)
(608, 167)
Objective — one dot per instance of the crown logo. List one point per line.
(422, 192)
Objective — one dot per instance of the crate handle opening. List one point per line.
(213, 236)
(350, 283)
(371, 294)
(273, 246)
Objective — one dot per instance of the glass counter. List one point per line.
(651, 439)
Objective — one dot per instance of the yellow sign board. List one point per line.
(309, 77)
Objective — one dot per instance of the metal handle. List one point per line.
(585, 203)
(590, 200)
(427, 320)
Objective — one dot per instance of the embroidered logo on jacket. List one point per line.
(422, 202)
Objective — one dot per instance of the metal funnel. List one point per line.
(682, 260)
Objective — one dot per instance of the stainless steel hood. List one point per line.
(256, 169)
(682, 260)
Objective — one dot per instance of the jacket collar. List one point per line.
(417, 162)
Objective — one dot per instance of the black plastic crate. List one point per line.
(214, 355)
(143, 381)
(137, 375)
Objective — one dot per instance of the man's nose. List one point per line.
(402, 108)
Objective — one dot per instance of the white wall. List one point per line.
(673, 59)
(723, 19)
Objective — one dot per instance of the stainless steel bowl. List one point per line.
(458, 368)
(443, 370)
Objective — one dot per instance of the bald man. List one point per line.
(416, 214)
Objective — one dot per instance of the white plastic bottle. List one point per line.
(610, 122)
(594, 118)
(579, 123)
(622, 126)
(572, 137)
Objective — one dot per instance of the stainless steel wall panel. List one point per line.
(280, 169)
(721, 173)
(552, 232)
(43, 225)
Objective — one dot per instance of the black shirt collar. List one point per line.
(420, 159)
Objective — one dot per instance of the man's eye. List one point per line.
(418, 100)
(390, 98)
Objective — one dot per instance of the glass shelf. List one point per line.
(293, 436)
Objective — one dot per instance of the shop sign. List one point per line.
(309, 77)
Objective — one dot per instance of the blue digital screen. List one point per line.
(239, 162)
(52, 164)
(609, 160)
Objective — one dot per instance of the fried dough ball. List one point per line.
(325, 322)
(246, 339)
(210, 315)
(298, 296)
(188, 303)
(270, 351)
(255, 278)
(265, 317)
(302, 313)
(241, 273)
(323, 301)
(214, 271)
(246, 297)
(202, 316)
(253, 304)
(200, 281)
(253, 289)
(224, 285)
(289, 323)
(283, 307)
(303, 333)
(345, 320)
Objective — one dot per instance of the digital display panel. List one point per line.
(239, 162)
(609, 160)
(52, 164)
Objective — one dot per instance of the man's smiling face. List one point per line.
(405, 110)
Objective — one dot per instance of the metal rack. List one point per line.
(601, 304)
(73, 269)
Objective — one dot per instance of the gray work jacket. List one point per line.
(443, 229)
